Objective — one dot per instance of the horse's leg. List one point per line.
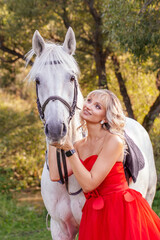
(61, 230)
(58, 205)
(58, 230)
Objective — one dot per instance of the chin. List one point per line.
(84, 117)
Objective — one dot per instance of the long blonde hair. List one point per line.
(114, 113)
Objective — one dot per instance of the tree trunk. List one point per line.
(101, 70)
(152, 114)
(122, 87)
(100, 55)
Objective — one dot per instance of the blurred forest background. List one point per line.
(118, 47)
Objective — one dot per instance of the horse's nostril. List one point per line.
(46, 129)
(64, 129)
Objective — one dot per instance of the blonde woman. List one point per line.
(112, 210)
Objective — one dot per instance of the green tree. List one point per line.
(134, 26)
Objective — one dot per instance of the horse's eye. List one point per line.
(72, 78)
(37, 81)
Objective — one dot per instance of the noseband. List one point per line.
(60, 152)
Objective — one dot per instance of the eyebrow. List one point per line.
(96, 102)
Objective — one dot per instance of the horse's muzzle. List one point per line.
(55, 131)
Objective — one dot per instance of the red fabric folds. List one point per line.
(115, 212)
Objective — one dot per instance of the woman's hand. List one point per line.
(66, 146)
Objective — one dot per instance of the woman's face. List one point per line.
(93, 109)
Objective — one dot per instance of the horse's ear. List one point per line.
(38, 43)
(69, 44)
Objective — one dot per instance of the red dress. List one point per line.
(115, 212)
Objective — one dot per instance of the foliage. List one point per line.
(156, 203)
(134, 26)
(19, 19)
(22, 144)
(155, 138)
(123, 26)
(140, 85)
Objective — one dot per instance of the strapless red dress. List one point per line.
(115, 212)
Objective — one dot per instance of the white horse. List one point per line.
(54, 70)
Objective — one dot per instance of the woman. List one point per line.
(112, 211)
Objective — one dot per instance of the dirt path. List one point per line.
(31, 197)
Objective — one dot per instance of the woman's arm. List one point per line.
(110, 153)
(53, 168)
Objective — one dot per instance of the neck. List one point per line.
(95, 131)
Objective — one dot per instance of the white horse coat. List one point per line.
(53, 67)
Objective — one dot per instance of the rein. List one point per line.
(60, 152)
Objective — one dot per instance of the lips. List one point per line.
(86, 112)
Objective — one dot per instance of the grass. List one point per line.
(21, 222)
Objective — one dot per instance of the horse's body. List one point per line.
(54, 74)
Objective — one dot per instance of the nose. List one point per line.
(55, 131)
(88, 105)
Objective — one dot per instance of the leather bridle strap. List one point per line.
(75, 193)
(39, 104)
(65, 168)
(53, 98)
(59, 166)
(65, 178)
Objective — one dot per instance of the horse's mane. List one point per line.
(53, 55)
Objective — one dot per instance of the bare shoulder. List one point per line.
(113, 141)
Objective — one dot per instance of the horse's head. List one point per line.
(55, 73)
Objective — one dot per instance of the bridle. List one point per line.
(60, 152)
(71, 108)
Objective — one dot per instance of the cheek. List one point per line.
(41, 93)
(100, 114)
(80, 114)
(69, 90)
(104, 115)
